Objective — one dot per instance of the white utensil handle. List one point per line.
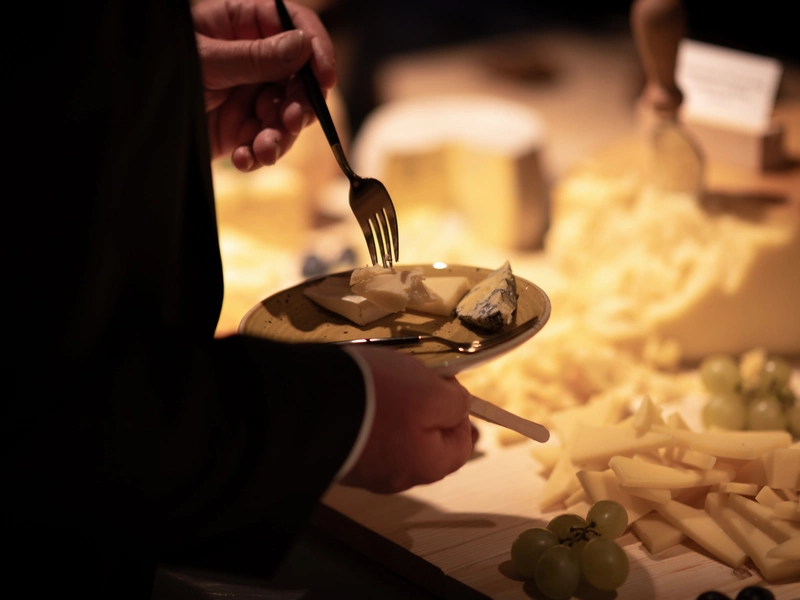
(494, 414)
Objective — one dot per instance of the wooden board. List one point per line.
(454, 537)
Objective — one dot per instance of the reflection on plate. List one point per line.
(289, 316)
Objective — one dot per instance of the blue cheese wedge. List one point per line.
(491, 303)
(334, 293)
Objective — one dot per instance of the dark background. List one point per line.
(379, 29)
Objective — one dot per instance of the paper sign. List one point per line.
(727, 87)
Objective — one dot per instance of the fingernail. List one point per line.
(290, 45)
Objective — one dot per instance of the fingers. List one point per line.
(230, 63)
(421, 430)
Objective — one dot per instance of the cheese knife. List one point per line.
(674, 161)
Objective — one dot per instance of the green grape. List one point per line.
(726, 411)
(604, 564)
(793, 420)
(608, 518)
(720, 374)
(529, 547)
(567, 526)
(557, 574)
(766, 413)
(775, 375)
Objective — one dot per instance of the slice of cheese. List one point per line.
(744, 489)
(638, 473)
(598, 444)
(656, 534)
(783, 469)
(391, 289)
(762, 517)
(560, 484)
(754, 541)
(692, 458)
(790, 549)
(699, 526)
(334, 294)
(604, 485)
(647, 414)
(769, 497)
(491, 303)
(742, 445)
(448, 291)
(660, 496)
(788, 510)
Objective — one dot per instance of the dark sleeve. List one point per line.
(126, 415)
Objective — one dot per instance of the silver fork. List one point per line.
(369, 199)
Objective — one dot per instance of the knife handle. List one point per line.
(494, 414)
(658, 27)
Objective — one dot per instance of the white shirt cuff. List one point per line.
(366, 423)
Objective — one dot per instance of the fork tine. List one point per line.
(379, 224)
(390, 230)
(367, 231)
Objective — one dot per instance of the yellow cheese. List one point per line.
(692, 458)
(783, 468)
(698, 525)
(475, 156)
(769, 497)
(638, 473)
(603, 485)
(743, 445)
(755, 542)
(334, 294)
(762, 517)
(745, 489)
(598, 444)
(787, 509)
(660, 496)
(790, 549)
(448, 292)
(646, 415)
(656, 534)
(560, 484)
(655, 263)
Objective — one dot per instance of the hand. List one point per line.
(421, 431)
(256, 108)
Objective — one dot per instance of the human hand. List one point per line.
(421, 430)
(256, 108)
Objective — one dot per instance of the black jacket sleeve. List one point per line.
(129, 426)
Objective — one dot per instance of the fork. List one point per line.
(369, 199)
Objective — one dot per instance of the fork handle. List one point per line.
(311, 85)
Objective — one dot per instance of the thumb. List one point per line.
(228, 63)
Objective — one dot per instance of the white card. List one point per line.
(727, 87)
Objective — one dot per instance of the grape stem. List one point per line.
(580, 534)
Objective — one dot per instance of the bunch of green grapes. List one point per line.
(762, 401)
(572, 548)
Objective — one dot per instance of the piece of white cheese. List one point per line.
(491, 303)
(754, 541)
(638, 473)
(790, 549)
(762, 517)
(334, 294)
(599, 444)
(656, 534)
(449, 292)
(391, 289)
(698, 525)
